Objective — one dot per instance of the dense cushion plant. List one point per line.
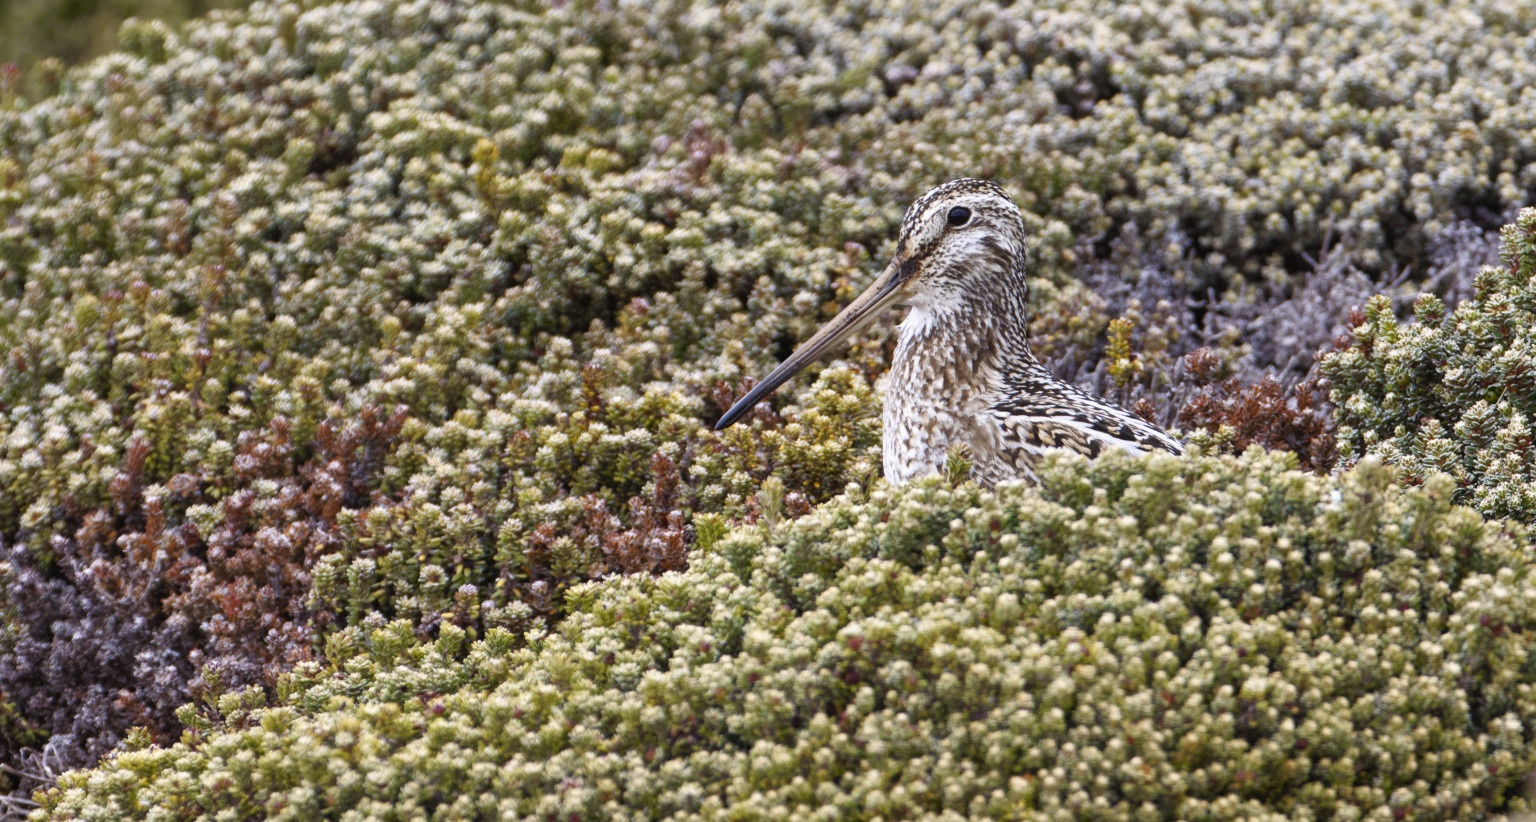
(1265, 644)
(321, 320)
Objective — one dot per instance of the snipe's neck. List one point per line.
(985, 316)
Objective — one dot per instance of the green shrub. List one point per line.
(1266, 644)
(323, 314)
(1455, 391)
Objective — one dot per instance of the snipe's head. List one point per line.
(964, 239)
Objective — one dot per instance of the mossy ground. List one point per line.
(340, 335)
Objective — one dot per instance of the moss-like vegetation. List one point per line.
(1268, 644)
(326, 319)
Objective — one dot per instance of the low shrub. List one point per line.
(1266, 643)
(1453, 391)
(544, 244)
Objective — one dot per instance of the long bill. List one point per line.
(881, 294)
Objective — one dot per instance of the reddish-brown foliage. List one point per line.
(655, 542)
(126, 619)
(1265, 413)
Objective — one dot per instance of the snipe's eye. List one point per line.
(959, 216)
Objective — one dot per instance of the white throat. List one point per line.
(929, 310)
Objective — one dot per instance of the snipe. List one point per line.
(963, 374)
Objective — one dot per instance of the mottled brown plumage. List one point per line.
(963, 375)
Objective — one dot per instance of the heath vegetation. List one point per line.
(358, 361)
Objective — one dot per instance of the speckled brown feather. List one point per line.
(963, 376)
(963, 373)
